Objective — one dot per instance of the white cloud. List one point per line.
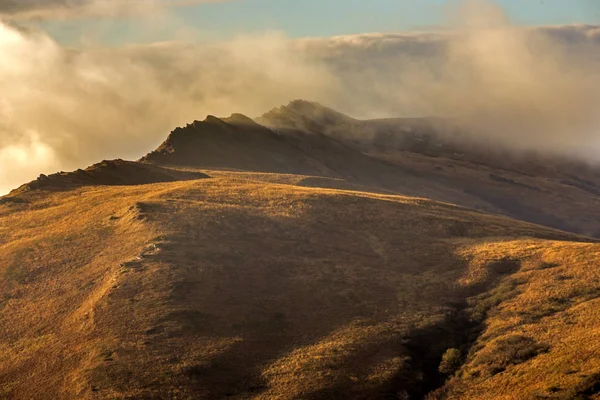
(29, 157)
(108, 103)
(519, 87)
(534, 88)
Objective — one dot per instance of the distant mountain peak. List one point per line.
(300, 104)
(240, 119)
(236, 142)
(211, 119)
(303, 115)
(312, 109)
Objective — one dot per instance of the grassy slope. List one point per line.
(542, 338)
(249, 288)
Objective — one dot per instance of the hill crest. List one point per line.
(107, 172)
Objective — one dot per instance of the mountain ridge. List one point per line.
(252, 262)
(402, 156)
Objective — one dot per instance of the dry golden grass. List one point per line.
(250, 287)
(541, 340)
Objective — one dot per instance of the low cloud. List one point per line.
(518, 87)
(522, 88)
(86, 105)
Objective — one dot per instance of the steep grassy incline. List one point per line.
(541, 333)
(235, 288)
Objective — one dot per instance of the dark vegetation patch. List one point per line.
(551, 306)
(451, 361)
(481, 305)
(11, 200)
(504, 267)
(436, 350)
(459, 229)
(588, 386)
(555, 304)
(542, 265)
(504, 352)
(501, 179)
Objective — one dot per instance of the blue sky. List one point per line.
(302, 18)
(330, 17)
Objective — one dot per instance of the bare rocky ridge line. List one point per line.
(408, 156)
(107, 172)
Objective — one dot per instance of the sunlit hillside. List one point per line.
(299, 200)
(249, 286)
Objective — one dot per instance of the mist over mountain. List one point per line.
(511, 86)
(421, 157)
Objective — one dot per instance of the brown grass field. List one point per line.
(255, 286)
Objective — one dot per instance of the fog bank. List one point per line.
(524, 88)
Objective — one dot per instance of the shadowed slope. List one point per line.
(239, 143)
(233, 143)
